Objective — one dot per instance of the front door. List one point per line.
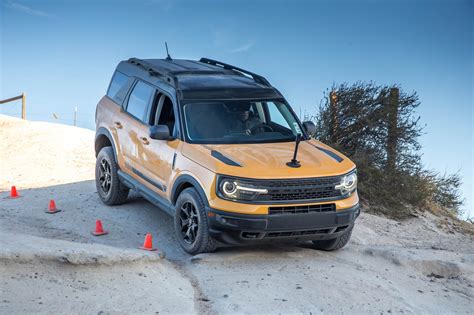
(157, 156)
(149, 161)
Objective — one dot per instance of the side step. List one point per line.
(147, 193)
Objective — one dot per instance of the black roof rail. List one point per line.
(256, 77)
(152, 71)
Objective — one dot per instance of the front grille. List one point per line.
(304, 189)
(331, 207)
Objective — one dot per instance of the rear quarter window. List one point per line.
(118, 87)
(139, 99)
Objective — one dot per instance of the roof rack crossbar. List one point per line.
(153, 72)
(256, 77)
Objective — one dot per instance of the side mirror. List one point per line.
(160, 132)
(309, 127)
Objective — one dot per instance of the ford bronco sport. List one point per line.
(220, 149)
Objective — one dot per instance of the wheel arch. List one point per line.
(187, 181)
(103, 138)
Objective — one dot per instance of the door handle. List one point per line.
(145, 140)
(118, 124)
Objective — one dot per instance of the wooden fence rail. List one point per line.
(23, 103)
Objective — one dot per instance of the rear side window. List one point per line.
(118, 87)
(139, 99)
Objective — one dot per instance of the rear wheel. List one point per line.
(191, 225)
(111, 191)
(335, 243)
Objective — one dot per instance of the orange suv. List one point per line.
(221, 150)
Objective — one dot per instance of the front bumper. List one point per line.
(232, 228)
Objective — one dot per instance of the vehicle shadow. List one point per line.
(127, 224)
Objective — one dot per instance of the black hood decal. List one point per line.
(328, 152)
(224, 158)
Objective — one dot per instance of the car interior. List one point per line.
(232, 119)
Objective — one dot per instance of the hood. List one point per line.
(268, 160)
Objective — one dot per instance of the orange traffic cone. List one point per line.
(99, 230)
(148, 244)
(13, 193)
(52, 207)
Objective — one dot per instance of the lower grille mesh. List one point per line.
(330, 207)
(297, 233)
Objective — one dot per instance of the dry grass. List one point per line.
(449, 222)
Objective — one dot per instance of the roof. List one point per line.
(206, 77)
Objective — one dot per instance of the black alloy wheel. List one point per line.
(189, 220)
(109, 187)
(105, 176)
(191, 223)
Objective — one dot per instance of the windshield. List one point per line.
(240, 121)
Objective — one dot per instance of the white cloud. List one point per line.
(26, 9)
(225, 39)
(242, 48)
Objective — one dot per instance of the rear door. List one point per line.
(109, 114)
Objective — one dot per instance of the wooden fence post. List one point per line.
(23, 105)
(75, 116)
(392, 137)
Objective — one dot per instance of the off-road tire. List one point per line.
(335, 243)
(203, 242)
(117, 193)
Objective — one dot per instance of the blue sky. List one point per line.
(62, 53)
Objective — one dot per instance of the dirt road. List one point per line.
(51, 263)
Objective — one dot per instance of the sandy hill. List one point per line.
(37, 154)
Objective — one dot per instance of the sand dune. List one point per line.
(40, 154)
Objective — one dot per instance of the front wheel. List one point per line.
(191, 225)
(335, 243)
(111, 191)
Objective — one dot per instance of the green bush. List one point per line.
(377, 127)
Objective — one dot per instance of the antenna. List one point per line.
(168, 57)
(294, 162)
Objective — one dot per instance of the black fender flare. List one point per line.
(187, 180)
(104, 132)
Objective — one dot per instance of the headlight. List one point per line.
(348, 183)
(234, 189)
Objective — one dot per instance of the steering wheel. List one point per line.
(260, 125)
